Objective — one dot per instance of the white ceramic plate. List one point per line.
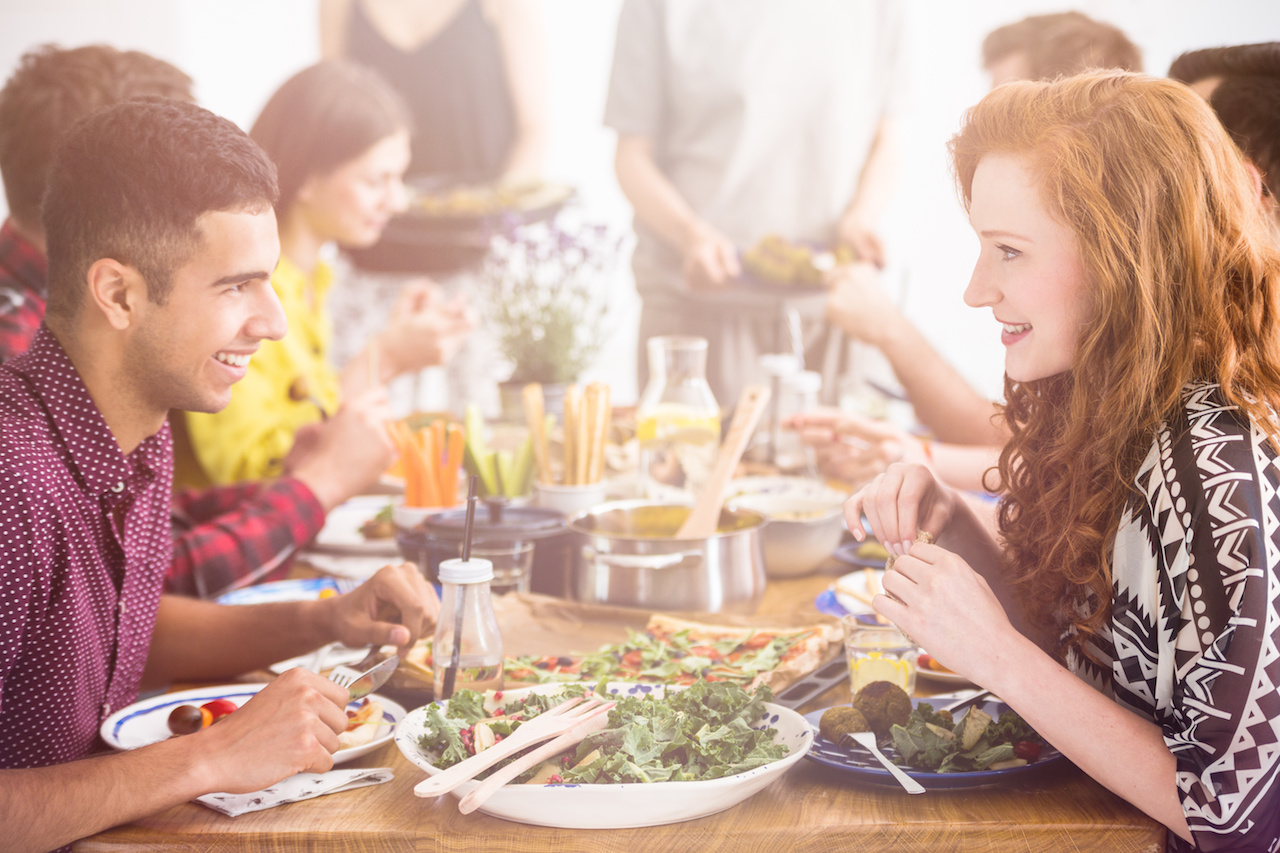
(943, 677)
(147, 721)
(621, 806)
(341, 531)
(297, 589)
(856, 582)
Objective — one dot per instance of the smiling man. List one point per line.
(161, 241)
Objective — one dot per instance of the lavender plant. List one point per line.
(545, 289)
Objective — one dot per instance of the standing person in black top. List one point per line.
(471, 72)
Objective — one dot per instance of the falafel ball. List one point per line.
(884, 705)
(840, 721)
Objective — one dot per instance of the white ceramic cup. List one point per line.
(570, 500)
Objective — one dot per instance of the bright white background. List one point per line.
(238, 51)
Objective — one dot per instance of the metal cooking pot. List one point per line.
(626, 553)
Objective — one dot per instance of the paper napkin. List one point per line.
(303, 786)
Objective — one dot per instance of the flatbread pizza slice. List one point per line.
(361, 724)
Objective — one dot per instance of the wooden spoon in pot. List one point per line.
(705, 518)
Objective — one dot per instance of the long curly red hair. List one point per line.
(1183, 280)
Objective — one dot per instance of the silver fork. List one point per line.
(348, 674)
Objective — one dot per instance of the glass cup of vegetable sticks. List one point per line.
(878, 653)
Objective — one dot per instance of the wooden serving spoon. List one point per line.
(705, 517)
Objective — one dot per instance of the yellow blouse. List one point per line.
(250, 437)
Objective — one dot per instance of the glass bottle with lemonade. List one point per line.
(677, 417)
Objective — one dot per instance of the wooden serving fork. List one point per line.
(591, 722)
(554, 721)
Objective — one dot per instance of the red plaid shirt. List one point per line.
(233, 536)
(23, 273)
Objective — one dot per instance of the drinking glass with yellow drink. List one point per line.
(879, 653)
(677, 417)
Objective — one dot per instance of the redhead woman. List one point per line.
(340, 139)
(1130, 607)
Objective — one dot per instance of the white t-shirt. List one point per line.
(761, 112)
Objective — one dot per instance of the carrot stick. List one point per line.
(412, 491)
(454, 452)
(438, 436)
(427, 463)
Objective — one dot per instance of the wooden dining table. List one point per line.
(811, 807)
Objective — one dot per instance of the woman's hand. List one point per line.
(396, 606)
(425, 330)
(854, 449)
(949, 609)
(900, 502)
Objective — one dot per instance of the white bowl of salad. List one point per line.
(608, 792)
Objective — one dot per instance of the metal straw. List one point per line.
(451, 671)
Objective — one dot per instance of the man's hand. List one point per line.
(710, 259)
(290, 727)
(343, 456)
(396, 606)
(425, 329)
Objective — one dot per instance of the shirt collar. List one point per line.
(291, 282)
(93, 449)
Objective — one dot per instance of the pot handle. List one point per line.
(643, 561)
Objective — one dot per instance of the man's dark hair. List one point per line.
(1242, 60)
(130, 183)
(51, 90)
(1247, 98)
(326, 115)
(1062, 45)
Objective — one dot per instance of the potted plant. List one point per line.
(545, 289)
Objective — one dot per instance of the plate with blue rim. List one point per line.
(147, 720)
(862, 765)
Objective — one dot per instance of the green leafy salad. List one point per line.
(703, 732)
(931, 741)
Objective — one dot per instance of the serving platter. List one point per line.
(627, 805)
(147, 720)
(862, 765)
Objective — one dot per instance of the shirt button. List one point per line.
(106, 710)
(118, 487)
(122, 607)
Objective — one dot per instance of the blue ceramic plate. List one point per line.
(863, 765)
(848, 553)
(299, 589)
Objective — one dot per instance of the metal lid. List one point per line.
(497, 521)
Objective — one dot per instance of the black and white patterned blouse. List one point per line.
(1194, 637)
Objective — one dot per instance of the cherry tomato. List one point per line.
(185, 719)
(758, 641)
(633, 658)
(219, 708)
(1030, 750)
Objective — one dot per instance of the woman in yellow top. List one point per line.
(339, 137)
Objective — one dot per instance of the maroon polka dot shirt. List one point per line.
(84, 543)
